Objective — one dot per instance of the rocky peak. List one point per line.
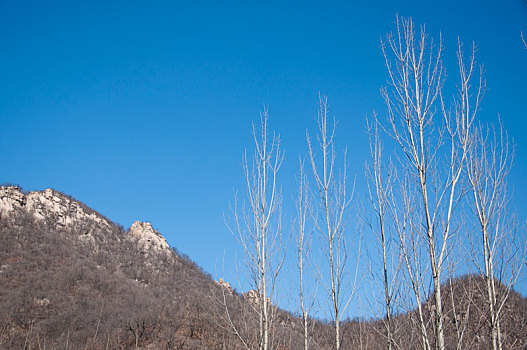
(52, 208)
(225, 285)
(48, 206)
(11, 197)
(147, 236)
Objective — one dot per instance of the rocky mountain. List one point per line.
(72, 279)
(66, 214)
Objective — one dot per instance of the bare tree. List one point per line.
(330, 204)
(380, 182)
(489, 163)
(258, 227)
(433, 143)
(303, 247)
(402, 206)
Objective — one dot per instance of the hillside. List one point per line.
(71, 279)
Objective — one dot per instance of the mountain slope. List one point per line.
(72, 279)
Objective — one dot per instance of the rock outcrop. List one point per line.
(63, 213)
(147, 237)
(225, 285)
(253, 297)
(49, 206)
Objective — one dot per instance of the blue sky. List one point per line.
(143, 110)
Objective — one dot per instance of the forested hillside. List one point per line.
(71, 279)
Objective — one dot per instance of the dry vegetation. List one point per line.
(58, 292)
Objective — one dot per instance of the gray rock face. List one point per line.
(11, 199)
(225, 285)
(147, 236)
(48, 205)
(53, 208)
(254, 298)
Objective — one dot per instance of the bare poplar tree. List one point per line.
(489, 163)
(258, 226)
(427, 132)
(303, 247)
(330, 204)
(380, 182)
(402, 206)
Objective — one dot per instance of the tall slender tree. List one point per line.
(303, 246)
(258, 227)
(489, 163)
(331, 202)
(380, 181)
(433, 144)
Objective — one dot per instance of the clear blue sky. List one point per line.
(142, 110)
